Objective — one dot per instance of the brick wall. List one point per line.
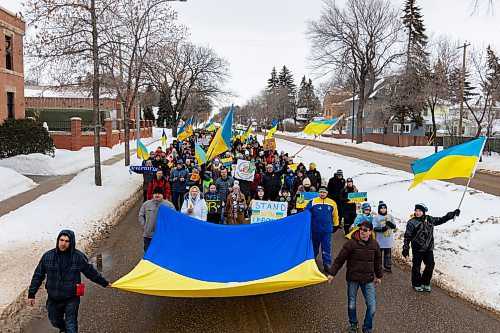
(11, 81)
(75, 139)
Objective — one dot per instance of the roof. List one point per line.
(376, 87)
(54, 92)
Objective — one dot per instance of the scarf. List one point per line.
(236, 204)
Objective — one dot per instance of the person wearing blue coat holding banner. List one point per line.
(324, 222)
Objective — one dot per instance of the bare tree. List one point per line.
(66, 39)
(138, 26)
(181, 69)
(362, 38)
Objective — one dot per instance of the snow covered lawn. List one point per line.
(12, 183)
(466, 250)
(491, 163)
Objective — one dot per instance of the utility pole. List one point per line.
(462, 85)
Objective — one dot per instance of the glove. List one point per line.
(456, 212)
(405, 253)
(450, 215)
(391, 225)
(335, 228)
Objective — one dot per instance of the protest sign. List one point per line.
(357, 197)
(303, 198)
(245, 170)
(269, 144)
(214, 203)
(263, 211)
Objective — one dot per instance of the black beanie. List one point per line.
(381, 204)
(158, 190)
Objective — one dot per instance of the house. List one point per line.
(11, 65)
(334, 103)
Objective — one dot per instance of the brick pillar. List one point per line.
(119, 128)
(108, 126)
(76, 133)
(132, 128)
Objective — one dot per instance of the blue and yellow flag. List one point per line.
(142, 151)
(456, 162)
(222, 138)
(273, 129)
(320, 126)
(186, 130)
(200, 154)
(304, 197)
(277, 256)
(163, 138)
(244, 137)
(211, 126)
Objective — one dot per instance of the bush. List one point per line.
(24, 136)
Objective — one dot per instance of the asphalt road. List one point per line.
(486, 181)
(319, 308)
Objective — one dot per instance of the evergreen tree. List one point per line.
(273, 81)
(285, 79)
(302, 94)
(164, 114)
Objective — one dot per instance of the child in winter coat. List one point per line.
(383, 225)
(236, 206)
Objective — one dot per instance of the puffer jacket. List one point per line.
(61, 286)
(155, 182)
(324, 215)
(315, 178)
(177, 185)
(198, 204)
(364, 260)
(223, 186)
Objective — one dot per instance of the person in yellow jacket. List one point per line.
(324, 222)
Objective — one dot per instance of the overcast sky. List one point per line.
(253, 36)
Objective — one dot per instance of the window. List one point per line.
(396, 128)
(10, 105)
(8, 53)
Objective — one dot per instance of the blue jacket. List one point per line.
(62, 285)
(289, 181)
(324, 215)
(361, 218)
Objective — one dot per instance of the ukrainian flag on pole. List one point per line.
(142, 151)
(186, 130)
(222, 138)
(163, 138)
(211, 126)
(273, 129)
(320, 126)
(459, 161)
(277, 256)
(200, 154)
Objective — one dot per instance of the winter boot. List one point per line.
(426, 288)
(419, 289)
(367, 330)
(354, 328)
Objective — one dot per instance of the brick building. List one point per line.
(12, 29)
(334, 103)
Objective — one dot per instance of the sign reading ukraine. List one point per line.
(192, 258)
(263, 211)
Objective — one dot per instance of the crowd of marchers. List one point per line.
(173, 177)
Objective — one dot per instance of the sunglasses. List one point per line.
(364, 229)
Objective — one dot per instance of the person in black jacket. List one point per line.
(420, 234)
(349, 209)
(272, 182)
(335, 186)
(314, 176)
(62, 267)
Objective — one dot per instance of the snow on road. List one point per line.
(466, 250)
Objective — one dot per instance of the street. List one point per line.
(320, 308)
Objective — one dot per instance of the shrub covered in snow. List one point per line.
(24, 136)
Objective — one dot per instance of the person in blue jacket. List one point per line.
(366, 215)
(324, 222)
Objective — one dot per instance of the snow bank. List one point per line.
(466, 250)
(490, 163)
(12, 183)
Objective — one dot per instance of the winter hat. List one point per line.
(260, 188)
(339, 172)
(421, 207)
(349, 180)
(151, 153)
(365, 206)
(381, 204)
(180, 161)
(312, 165)
(158, 190)
(269, 166)
(306, 182)
(366, 224)
(322, 189)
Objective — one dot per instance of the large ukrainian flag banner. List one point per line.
(192, 258)
(456, 162)
(320, 126)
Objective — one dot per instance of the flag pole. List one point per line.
(310, 141)
(470, 178)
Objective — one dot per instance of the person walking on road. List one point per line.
(178, 179)
(383, 226)
(364, 271)
(149, 212)
(348, 207)
(62, 266)
(324, 222)
(194, 204)
(420, 234)
(158, 181)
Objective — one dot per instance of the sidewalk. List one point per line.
(48, 184)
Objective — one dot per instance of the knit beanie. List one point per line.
(381, 205)
(421, 207)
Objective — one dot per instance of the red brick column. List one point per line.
(108, 126)
(76, 133)
(119, 128)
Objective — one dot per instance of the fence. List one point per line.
(387, 139)
(65, 126)
(79, 134)
(492, 144)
